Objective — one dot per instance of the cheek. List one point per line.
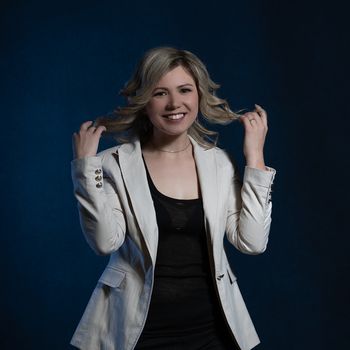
(153, 107)
(194, 100)
(151, 111)
(149, 107)
(194, 103)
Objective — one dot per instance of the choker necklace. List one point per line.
(163, 150)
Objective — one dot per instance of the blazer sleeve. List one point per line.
(249, 210)
(101, 216)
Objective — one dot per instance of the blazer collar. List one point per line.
(135, 179)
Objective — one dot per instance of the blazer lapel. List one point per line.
(207, 176)
(135, 179)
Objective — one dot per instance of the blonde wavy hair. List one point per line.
(131, 121)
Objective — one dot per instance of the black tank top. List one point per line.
(184, 305)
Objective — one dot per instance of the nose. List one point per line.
(173, 101)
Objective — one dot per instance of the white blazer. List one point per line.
(118, 218)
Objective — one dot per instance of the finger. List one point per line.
(91, 129)
(252, 115)
(86, 125)
(259, 120)
(246, 122)
(260, 109)
(254, 118)
(100, 130)
(262, 113)
(75, 139)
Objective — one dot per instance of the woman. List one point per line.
(160, 203)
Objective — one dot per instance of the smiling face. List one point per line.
(173, 106)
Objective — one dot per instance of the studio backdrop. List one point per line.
(65, 62)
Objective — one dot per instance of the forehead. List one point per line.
(176, 76)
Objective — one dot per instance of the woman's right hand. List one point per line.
(85, 142)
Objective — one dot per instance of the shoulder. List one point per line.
(111, 152)
(109, 159)
(227, 163)
(111, 156)
(107, 153)
(223, 158)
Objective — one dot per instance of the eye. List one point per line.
(159, 93)
(185, 90)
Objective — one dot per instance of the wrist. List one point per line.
(256, 162)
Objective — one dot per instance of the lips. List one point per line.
(174, 116)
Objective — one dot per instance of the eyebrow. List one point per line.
(180, 86)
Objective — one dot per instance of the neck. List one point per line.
(170, 143)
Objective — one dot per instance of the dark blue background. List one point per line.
(64, 62)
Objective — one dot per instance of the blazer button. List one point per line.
(98, 171)
(98, 178)
(99, 185)
(269, 197)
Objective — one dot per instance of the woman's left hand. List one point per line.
(255, 126)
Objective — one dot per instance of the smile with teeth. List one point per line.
(175, 116)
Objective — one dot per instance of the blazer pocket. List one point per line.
(112, 277)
